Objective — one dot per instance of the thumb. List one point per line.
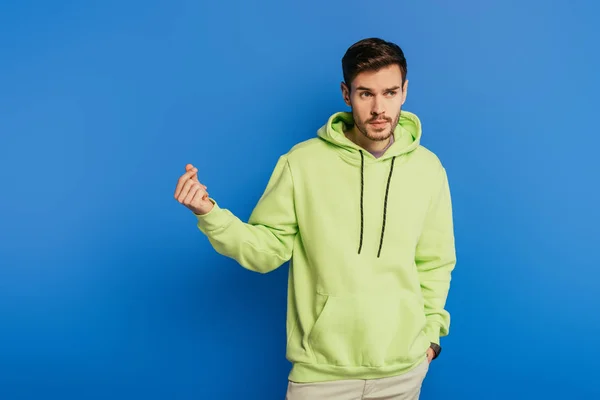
(189, 167)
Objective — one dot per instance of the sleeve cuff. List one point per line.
(214, 219)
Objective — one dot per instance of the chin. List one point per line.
(379, 136)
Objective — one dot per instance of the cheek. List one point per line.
(361, 108)
(362, 115)
(393, 106)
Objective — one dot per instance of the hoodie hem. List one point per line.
(310, 373)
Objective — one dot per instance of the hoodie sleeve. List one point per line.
(436, 259)
(266, 241)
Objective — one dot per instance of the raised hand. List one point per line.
(191, 193)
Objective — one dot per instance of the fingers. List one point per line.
(194, 177)
(189, 167)
(192, 193)
(194, 190)
(200, 195)
(185, 191)
(183, 180)
(195, 198)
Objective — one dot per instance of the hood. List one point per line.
(407, 136)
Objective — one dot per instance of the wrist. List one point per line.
(205, 210)
(437, 349)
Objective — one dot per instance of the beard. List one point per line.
(375, 134)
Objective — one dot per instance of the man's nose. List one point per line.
(378, 107)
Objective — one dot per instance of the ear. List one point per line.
(404, 91)
(346, 94)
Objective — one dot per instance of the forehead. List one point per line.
(378, 80)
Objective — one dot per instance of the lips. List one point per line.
(379, 123)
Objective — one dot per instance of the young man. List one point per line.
(363, 211)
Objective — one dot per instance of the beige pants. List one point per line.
(402, 387)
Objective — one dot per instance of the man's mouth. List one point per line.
(379, 123)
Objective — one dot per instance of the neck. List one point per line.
(372, 146)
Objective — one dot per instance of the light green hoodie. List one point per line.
(371, 245)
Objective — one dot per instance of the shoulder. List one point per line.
(307, 149)
(426, 157)
(427, 165)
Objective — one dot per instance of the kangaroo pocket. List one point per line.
(368, 330)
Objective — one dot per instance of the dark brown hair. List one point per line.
(372, 54)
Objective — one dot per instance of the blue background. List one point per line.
(107, 288)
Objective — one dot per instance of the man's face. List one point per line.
(376, 100)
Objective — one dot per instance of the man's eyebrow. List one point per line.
(370, 90)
